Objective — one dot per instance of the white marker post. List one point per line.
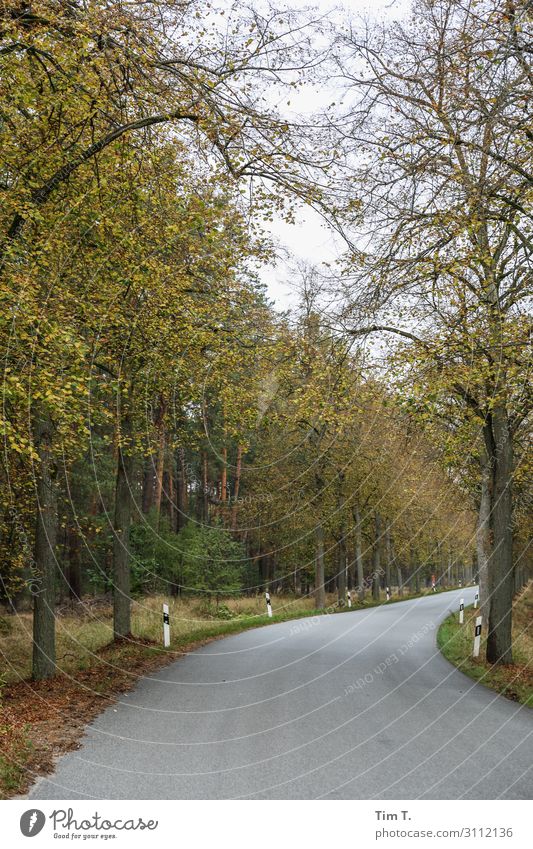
(461, 611)
(477, 636)
(269, 606)
(166, 627)
(349, 597)
(476, 600)
(387, 591)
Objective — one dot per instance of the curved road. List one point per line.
(353, 706)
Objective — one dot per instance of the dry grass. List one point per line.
(83, 630)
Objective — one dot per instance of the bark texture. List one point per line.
(358, 554)
(44, 584)
(501, 583)
(121, 536)
(320, 590)
(376, 558)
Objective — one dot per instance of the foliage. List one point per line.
(199, 441)
(212, 561)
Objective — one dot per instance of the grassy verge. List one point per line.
(41, 720)
(514, 680)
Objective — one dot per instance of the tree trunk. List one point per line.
(160, 467)
(74, 563)
(358, 554)
(341, 546)
(350, 572)
(122, 521)
(171, 494)
(205, 484)
(44, 585)
(414, 577)
(181, 490)
(388, 557)
(483, 534)
(400, 578)
(62, 560)
(320, 591)
(224, 475)
(499, 639)
(341, 577)
(376, 558)
(148, 484)
(518, 578)
(236, 488)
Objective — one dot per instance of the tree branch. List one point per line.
(41, 195)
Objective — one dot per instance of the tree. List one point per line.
(445, 177)
(87, 95)
(212, 561)
(88, 77)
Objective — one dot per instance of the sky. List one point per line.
(309, 239)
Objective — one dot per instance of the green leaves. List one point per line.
(211, 560)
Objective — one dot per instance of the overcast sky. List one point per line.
(310, 239)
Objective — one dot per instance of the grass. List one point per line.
(512, 680)
(41, 720)
(84, 630)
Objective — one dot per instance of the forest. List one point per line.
(167, 429)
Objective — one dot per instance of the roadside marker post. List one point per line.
(477, 636)
(387, 591)
(166, 626)
(476, 600)
(461, 611)
(269, 606)
(349, 597)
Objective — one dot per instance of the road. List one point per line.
(353, 706)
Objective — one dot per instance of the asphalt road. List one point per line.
(352, 706)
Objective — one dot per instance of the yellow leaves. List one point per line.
(15, 440)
